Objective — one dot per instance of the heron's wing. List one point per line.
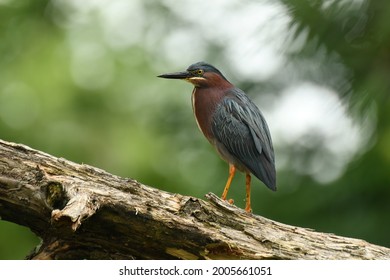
(242, 131)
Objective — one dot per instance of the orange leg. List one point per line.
(248, 193)
(232, 171)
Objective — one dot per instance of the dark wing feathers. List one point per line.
(243, 136)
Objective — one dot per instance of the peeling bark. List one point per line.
(82, 212)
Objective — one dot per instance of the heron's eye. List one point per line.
(199, 72)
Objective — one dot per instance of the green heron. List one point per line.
(232, 123)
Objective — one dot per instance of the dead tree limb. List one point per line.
(82, 212)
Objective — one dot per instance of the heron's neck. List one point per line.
(204, 103)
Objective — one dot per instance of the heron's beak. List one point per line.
(176, 75)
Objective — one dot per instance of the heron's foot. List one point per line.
(230, 200)
(248, 209)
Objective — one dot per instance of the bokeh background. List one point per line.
(78, 80)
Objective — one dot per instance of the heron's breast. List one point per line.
(204, 104)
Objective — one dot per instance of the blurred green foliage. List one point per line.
(79, 81)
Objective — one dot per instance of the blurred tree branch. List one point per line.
(81, 212)
(358, 33)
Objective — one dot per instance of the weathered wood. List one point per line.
(81, 211)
